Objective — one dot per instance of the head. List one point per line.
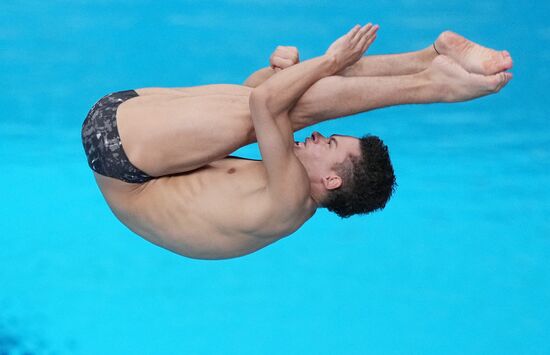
(348, 175)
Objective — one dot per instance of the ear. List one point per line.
(332, 182)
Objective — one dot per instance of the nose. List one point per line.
(316, 137)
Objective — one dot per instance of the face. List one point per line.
(320, 154)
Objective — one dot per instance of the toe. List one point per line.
(506, 60)
(493, 82)
(501, 80)
(508, 77)
(499, 62)
(492, 66)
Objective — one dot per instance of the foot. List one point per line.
(452, 83)
(473, 57)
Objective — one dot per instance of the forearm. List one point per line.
(258, 77)
(287, 86)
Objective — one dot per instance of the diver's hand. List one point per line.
(349, 48)
(284, 57)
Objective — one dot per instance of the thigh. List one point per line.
(214, 89)
(173, 131)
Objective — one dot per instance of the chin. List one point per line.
(300, 155)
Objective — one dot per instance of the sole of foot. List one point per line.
(455, 84)
(472, 56)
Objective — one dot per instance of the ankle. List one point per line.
(435, 88)
(435, 49)
(445, 40)
(426, 56)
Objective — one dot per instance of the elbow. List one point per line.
(262, 98)
(259, 97)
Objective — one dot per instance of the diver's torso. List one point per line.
(218, 211)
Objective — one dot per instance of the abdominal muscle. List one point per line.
(206, 214)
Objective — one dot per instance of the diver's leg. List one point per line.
(392, 64)
(168, 131)
(443, 81)
(470, 55)
(186, 129)
(214, 89)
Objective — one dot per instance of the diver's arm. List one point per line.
(283, 57)
(259, 77)
(274, 133)
(271, 102)
(283, 90)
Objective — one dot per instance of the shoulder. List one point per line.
(290, 185)
(289, 202)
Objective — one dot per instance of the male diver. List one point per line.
(160, 156)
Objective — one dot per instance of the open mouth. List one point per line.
(305, 142)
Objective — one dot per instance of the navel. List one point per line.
(231, 171)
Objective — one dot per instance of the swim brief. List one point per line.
(102, 143)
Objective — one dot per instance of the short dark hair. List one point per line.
(368, 180)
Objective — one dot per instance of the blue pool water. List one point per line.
(458, 263)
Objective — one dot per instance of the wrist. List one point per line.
(331, 62)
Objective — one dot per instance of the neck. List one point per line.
(318, 192)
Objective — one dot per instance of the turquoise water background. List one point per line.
(458, 263)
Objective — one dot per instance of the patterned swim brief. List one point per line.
(102, 143)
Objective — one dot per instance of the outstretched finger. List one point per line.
(353, 32)
(369, 37)
(361, 33)
(373, 30)
(367, 44)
